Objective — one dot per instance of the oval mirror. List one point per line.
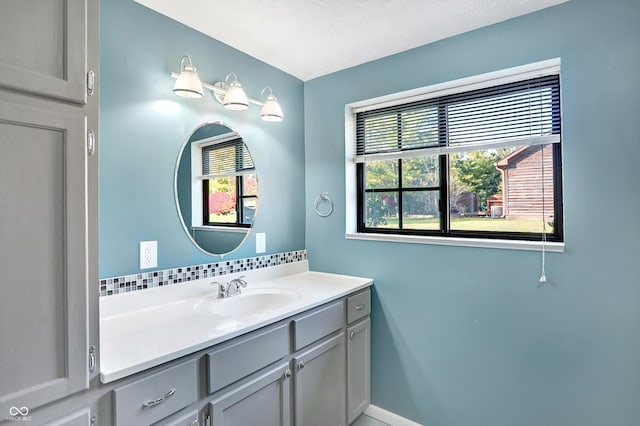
(216, 189)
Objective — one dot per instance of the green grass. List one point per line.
(470, 224)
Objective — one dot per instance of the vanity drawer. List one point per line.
(358, 306)
(187, 419)
(238, 360)
(155, 397)
(318, 324)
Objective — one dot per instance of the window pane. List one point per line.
(381, 210)
(420, 210)
(421, 172)
(222, 200)
(249, 206)
(250, 184)
(381, 174)
(502, 190)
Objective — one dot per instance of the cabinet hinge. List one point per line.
(92, 358)
(91, 82)
(91, 142)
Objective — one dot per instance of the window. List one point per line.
(229, 184)
(474, 163)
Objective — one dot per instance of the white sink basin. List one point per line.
(249, 302)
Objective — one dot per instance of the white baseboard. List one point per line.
(388, 417)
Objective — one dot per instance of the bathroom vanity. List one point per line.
(292, 349)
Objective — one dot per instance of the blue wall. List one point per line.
(465, 336)
(461, 336)
(143, 125)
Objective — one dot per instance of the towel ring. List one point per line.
(324, 196)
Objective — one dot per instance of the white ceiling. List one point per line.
(311, 38)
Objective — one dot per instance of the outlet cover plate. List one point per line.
(261, 242)
(148, 254)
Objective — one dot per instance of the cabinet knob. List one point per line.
(287, 373)
(300, 365)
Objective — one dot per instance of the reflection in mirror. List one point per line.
(216, 189)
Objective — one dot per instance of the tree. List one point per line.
(221, 203)
(222, 195)
(475, 172)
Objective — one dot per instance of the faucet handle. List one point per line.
(240, 280)
(223, 289)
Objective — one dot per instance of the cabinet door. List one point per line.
(79, 418)
(44, 47)
(262, 401)
(320, 385)
(43, 255)
(358, 368)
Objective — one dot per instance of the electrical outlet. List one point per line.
(261, 242)
(148, 254)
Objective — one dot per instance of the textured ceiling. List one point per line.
(311, 38)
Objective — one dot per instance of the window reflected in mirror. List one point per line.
(216, 189)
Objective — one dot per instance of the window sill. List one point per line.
(552, 247)
(221, 229)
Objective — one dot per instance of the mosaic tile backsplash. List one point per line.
(141, 281)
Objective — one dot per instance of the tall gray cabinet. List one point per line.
(48, 202)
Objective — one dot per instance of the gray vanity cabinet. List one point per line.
(319, 384)
(80, 418)
(358, 354)
(262, 400)
(48, 203)
(358, 368)
(290, 373)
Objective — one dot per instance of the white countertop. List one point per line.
(145, 328)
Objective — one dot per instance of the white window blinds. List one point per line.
(518, 113)
(227, 158)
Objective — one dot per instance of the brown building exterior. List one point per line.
(522, 182)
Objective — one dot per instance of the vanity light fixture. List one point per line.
(228, 92)
(271, 110)
(188, 84)
(235, 99)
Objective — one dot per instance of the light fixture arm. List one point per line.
(181, 65)
(265, 89)
(220, 89)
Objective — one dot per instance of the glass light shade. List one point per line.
(188, 84)
(235, 99)
(271, 110)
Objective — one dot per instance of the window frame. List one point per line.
(200, 185)
(355, 187)
(240, 197)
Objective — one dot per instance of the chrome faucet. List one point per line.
(224, 290)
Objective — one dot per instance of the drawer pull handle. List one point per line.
(160, 400)
(352, 333)
(359, 307)
(300, 365)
